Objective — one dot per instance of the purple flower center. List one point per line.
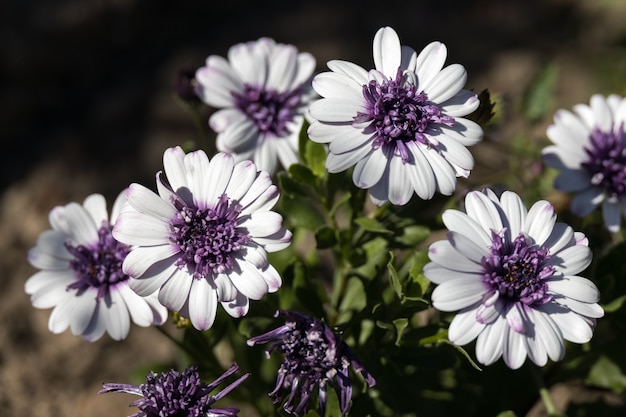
(208, 238)
(398, 114)
(607, 160)
(99, 265)
(270, 110)
(518, 270)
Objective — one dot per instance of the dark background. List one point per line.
(86, 106)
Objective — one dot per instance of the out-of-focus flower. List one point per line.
(512, 274)
(400, 125)
(203, 239)
(176, 393)
(185, 87)
(81, 274)
(315, 357)
(589, 149)
(262, 91)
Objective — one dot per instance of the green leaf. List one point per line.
(289, 186)
(340, 202)
(400, 324)
(302, 173)
(614, 305)
(413, 235)
(376, 256)
(394, 279)
(354, 299)
(507, 413)
(538, 98)
(316, 158)
(326, 237)
(301, 213)
(419, 282)
(607, 374)
(372, 225)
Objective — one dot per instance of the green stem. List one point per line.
(545, 394)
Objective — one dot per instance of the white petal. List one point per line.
(429, 62)
(281, 71)
(118, 205)
(571, 260)
(40, 258)
(540, 221)
(421, 173)
(443, 254)
(82, 310)
(480, 208)
(272, 278)
(140, 312)
(216, 178)
(249, 281)
(490, 342)
(444, 174)
(348, 139)
(514, 349)
(44, 278)
(237, 307)
(174, 167)
(153, 278)
(249, 61)
(515, 213)
(263, 223)
(455, 153)
(202, 304)
(116, 318)
(369, 171)
(601, 112)
(333, 110)
(305, 68)
(275, 242)
(465, 131)
(338, 163)
(353, 71)
(335, 85)
(400, 190)
(456, 294)
(446, 84)
(243, 175)
(464, 328)
(387, 51)
(217, 82)
(575, 287)
(133, 228)
(75, 221)
(147, 202)
(224, 119)
(612, 215)
(561, 237)
(468, 247)
(461, 104)
(571, 325)
(175, 291)
(457, 221)
(572, 180)
(585, 309)
(586, 201)
(96, 206)
(438, 274)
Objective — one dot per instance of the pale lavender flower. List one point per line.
(176, 393)
(81, 274)
(512, 273)
(204, 238)
(262, 91)
(589, 150)
(401, 124)
(315, 357)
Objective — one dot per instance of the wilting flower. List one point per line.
(204, 237)
(314, 357)
(512, 274)
(400, 125)
(81, 274)
(176, 393)
(589, 148)
(262, 91)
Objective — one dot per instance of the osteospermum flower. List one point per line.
(400, 125)
(262, 91)
(590, 150)
(315, 357)
(81, 274)
(512, 273)
(176, 393)
(203, 239)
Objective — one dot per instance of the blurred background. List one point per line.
(86, 105)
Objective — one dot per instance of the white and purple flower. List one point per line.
(401, 124)
(262, 91)
(512, 273)
(176, 393)
(204, 238)
(81, 274)
(590, 151)
(314, 358)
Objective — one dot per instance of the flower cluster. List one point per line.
(208, 234)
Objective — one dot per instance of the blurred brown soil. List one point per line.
(86, 107)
